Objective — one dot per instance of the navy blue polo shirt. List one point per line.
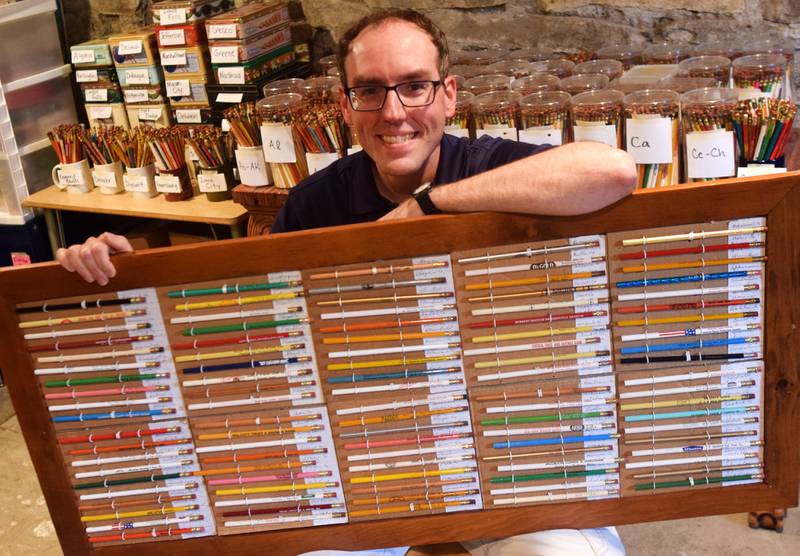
(345, 192)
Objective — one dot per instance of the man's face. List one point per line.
(402, 141)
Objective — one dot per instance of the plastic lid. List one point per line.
(653, 101)
(495, 100)
(770, 46)
(716, 48)
(477, 57)
(512, 68)
(560, 67)
(665, 53)
(611, 68)
(546, 101)
(463, 98)
(619, 52)
(710, 97)
(467, 70)
(684, 84)
(279, 105)
(324, 89)
(333, 72)
(579, 83)
(602, 99)
(535, 54)
(487, 83)
(535, 83)
(764, 62)
(327, 62)
(704, 66)
(459, 79)
(290, 85)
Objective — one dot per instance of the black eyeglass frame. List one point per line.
(387, 88)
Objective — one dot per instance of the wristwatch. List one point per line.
(423, 196)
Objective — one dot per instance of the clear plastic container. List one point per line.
(496, 114)
(460, 123)
(484, 57)
(535, 84)
(629, 55)
(651, 132)
(512, 68)
(597, 116)
(544, 118)
(459, 79)
(576, 84)
(717, 68)
(534, 54)
(283, 149)
(762, 127)
(784, 47)
(610, 68)
(708, 137)
(467, 71)
(290, 85)
(717, 48)
(321, 90)
(760, 73)
(24, 174)
(684, 84)
(665, 53)
(326, 63)
(29, 41)
(560, 67)
(487, 83)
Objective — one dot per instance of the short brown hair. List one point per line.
(379, 16)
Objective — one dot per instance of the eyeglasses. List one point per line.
(367, 98)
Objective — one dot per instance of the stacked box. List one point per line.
(99, 84)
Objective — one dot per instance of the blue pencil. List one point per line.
(683, 414)
(111, 415)
(688, 345)
(553, 440)
(687, 278)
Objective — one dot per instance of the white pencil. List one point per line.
(539, 406)
(121, 459)
(554, 497)
(395, 387)
(687, 389)
(239, 315)
(252, 400)
(690, 448)
(691, 375)
(689, 426)
(557, 464)
(82, 331)
(413, 452)
(232, 447)
(247, 501)
(548, 430)
(124, 525)
(205, 381)
(538, 306)
(688, 332)
(545, 488)
(532, 347)
(113, 354)
(440, 398)
(544, 265)
(529, 252)
(350, 353)
(544, 370)
(685, 293)
(93, 368)
(113, 403)
(682, 461)
(692, 236)
(132, 469)
(408, 463)
(382, 312)
(286, 519)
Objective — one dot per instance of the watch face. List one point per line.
(421, 189)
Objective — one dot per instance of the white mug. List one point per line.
(108, 177)
(74, 177)
(253, 171)
(141, 181)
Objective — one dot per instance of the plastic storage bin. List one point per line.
(21, 175)
(29, 41)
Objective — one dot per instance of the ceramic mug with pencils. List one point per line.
(73, 177)
(140, 180)
(108, 177)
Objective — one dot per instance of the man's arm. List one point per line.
(572, 179)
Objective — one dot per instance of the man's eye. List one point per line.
(365, 92)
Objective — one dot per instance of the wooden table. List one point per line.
(197, 209)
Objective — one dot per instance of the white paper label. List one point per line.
(541, 135)
(96, 95)
(278, 144)
(173, 57)
(100, 112)
(225, 125)
(172, 37)
(212, 183)
(129, 47)
(501, 131)
(318, 161)
(71, 177)
(354, 149)
(150, 114)
(86, 76)
(168, 184)
(136, 184)
(710, 154)
(224, 54)
(252, 168)
(135, 96)
(172, 17)
(179, 88)
(104, 179)
(604, 133)
(82, 56)
(232, 98)
(222, 31)
(233, 75)
(137, 77)
(650, 140)
(188, 116)
(456, 130)
(758, 170)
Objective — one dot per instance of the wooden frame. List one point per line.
(776, 197)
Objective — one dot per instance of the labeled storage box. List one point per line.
(103, 115)
(189, 90)
(134, 49)
(185, 61)
(140, 75)
(178, 12)
(91, 54)
(154, 115)
(244, 50)
(189, 34)
(246, 21)
(255, 69)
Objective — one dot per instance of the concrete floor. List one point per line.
(26, 529)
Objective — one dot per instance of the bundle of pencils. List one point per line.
(101, 144)
(649, 105)
(168, 145)
(66, 141)
(760, 72)
(762, 126)
(213, 148)
(244, 121)
(322, 129)
(133, 144)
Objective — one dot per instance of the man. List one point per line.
(396, 95)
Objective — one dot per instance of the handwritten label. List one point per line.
(129, 47)
(319, 161)
(82, 56)
(172, 16)
(173, 57)
(650, 140)
(224, 54)
(168, 184)
(150, 114)
(710, 154)
(501, 131)
(602, 133)
(73, 177)
(96, 95)
(231, 98)
(222, 31)
(100, 112)
(178, 88)
(541, 135)
(137, 184)
(231, 75)
(86, 76)
(212, 183)
(104, 179)
(278, 143)
(135, 96)
(188, 116)
(172, 37)
(137, 77)
(758, 170)
(252, 168)
(225, 125)
(456, 130)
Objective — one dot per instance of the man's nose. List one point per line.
(393, 109)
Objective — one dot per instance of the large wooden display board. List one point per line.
(388, 384)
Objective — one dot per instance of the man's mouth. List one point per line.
(397, 138)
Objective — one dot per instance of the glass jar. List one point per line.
(610, 68)
(326, 63)
(759, 75)
(544, 118)
(576, 84)
(290, 85)
(459, 124)
(716, 48)
(496, 114)
(710, 148)
(651, 132)
(511, 68)
(629, 55)
(559, 67)
(321, 90)
(597, 116)
(535, 84)
(487, 83)
(717, 68)
(665, 53)
(283, 149)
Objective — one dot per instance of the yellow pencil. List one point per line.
(387, 337)
(533, 334)
(236, 353)
(690, 401)
(685, 318)
(537, 280)
(140, 513)
(410, 507)
(81, 318)
(258, 432)
(692, 264)
(389, 363)
(279, 488)
(394, 298)
(249, 468)
(237, 301)
(397, 417)
(539, 359)
(413, 475)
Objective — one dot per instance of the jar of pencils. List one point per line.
(784, 47)
(512, 68)
(283, 149)
(759, 75)
(214, 151)
(321, 126)
(496, 114)
(716, 48)
(544, 118)
(325, 63)
(597, 116)
(709, 143)
(629, 55)
(536, 83)
(169, 149)
(321, 90)
(106, 155)
(651, 132)
(243, 121)
(487, 83)
(610, 68)
(762, 127)
(288, 85)
(717, 68)
(459, 124)
(560, 67)
(576, 84)
(665, 53)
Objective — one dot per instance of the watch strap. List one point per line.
(424, 201)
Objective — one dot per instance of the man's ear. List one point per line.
(449, 87)
(344, 105)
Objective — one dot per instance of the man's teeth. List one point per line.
(397, 138)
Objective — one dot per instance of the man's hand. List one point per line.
(407, 209)
(92, 259)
